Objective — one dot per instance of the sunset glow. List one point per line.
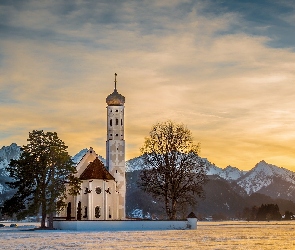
(225, 70)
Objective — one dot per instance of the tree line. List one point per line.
(265, 212)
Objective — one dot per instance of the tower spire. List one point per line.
(115, 81)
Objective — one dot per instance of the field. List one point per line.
(209, 235)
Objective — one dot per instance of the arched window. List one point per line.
(79, 211)
(97, 211)
(69, 211)
(85, 213)
(117, 121)
(111, 122)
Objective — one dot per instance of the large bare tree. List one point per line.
(173, 171)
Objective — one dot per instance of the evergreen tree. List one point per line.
(269, 212)
(173, 173)
(40, 176)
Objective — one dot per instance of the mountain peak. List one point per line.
(262, 175)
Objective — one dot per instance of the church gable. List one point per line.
(96, 170)
(86, 159)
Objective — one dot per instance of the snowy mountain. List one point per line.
(77, 157)
(232, 173)
(134, 164)
(6, 154)
(264, 178)
(229, 173)
(263, 175)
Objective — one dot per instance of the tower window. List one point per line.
(121, 122)
(117, 121)
(111, 122)
(116, 134)
(98, 190)
(111, 134)
(116, 110)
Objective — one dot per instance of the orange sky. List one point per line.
(221, 70)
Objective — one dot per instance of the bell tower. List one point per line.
(115, 144)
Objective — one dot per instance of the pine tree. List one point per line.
(40, 176)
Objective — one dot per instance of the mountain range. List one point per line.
(228, 190)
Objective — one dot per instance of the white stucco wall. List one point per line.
(124, 225)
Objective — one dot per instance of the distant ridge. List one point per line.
(264, 180)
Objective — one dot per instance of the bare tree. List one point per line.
(173, 172)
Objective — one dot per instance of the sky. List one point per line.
(223, 68)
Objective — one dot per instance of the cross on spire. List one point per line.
(115, 81)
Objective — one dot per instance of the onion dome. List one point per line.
(115, 99)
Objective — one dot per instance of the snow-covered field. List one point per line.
(209, 235)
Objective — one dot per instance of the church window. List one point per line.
(116, 171)
(108, 191)
(111, 134)
(98, 190)
(117, 121)
(79, 211)
(116, 110)
(111, 122)
(116, 134)
(110, 215)
(97, 211)
(121, 122)
(87, 191)
(69, 211)
(85, 213)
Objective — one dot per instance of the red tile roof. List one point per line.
(96, 170)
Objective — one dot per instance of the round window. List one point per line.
(98, 190)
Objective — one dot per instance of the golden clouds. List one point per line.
(230, 88)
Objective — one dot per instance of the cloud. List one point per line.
(175, 60)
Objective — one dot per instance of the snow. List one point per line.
(78, 157)
(232, 173)
(134, 164)
(262, 175)
(6, 154)
(209, 235)
(252, 181)
(137, 213)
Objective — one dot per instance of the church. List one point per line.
(103, 188)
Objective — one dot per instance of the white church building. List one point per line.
(100, 206)
(103, 188)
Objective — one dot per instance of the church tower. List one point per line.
(115, 144)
